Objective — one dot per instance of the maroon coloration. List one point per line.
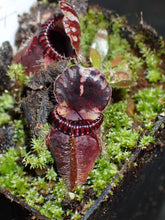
(74, 156)
(49, 33)
(30, 56)
(58, 38)
(82, 92)
(74, 140)
(75, 128)
(71, 24)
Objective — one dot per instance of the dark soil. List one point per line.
(6, 55)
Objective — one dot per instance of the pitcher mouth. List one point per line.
(54, 40)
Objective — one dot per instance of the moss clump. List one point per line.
(119, 136)
(146, 140)
(153, 73)
(39, 156)
(6, 103)
(102, 174)
(149, 103)
(16, 72)
(12, 176)
(19, 133)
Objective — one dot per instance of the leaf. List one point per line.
(121, 79)
(95, 58)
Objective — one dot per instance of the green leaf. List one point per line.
(95, 58)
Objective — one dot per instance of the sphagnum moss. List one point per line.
(148, 104)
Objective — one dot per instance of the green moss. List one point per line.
(50, 174)
(30, 188)
(115, 117)
(52, 210)
(6, 103)
(119, 139)
(118, 45)
(79, 193)
(118, 146)
(16, 72)
(146, 140)
(4, 118)
(161, 50)
(149, 103)
(12, 176)
(102, 174)
(39, 156)
(76, 216)
(119, 136)
(19, 133)
(153, 73)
